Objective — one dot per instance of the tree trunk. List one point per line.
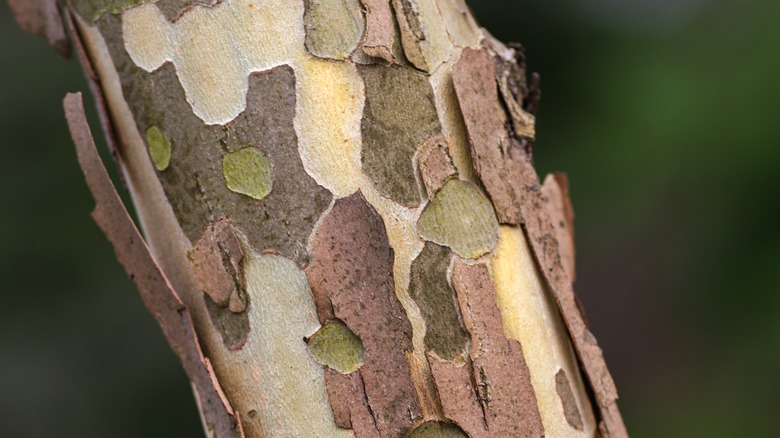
(346, 236)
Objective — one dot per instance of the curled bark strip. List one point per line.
(510, 179)
(156, 291)
(42, 17)
(556, 192)
(94, 87)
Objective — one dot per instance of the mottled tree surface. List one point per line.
(341, 194)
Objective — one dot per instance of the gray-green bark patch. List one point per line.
(248, 172)
(433, 429)
(195, 182)
(337, 347)
(159, 148)
(333, 27)
(91, 10)
(431, 290)
(462, 218)
(399, 116)
(233, 327)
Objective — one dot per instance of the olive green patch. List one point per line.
(431, 290)
(337, 347)
(333, 27)
(194, 182)
(159, 148)
(248, 172)
(399, 116)
(433, 429)
(462, 218)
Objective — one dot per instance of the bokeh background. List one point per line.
(665, 114)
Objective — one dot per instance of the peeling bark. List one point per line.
(341, 192)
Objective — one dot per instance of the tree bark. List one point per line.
(344, 232)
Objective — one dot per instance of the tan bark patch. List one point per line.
(423, 33)
(42, 17)
(352, 266)
(381, 39)
(157, 293)
(436, 167)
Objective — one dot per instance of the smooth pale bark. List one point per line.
(340, 192)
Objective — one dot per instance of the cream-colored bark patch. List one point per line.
(461, 26)
(215, 49)
(423, 33)
(532, 318)
(288, 385)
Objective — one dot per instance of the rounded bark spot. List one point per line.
(159, 148)
(337, 347)
(248, 172)
(434, 429)
(462, 218)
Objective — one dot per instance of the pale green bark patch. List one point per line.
(159, 148)
(333, 27)
(248, 171)
(337, 347)
(462, 218)
(433, 429)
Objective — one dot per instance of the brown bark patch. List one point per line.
(348, 401)
(492, 150)
(431, 290)
(436, 167)
(381, 39)
(155, 289)
(510, 179)
(352, 269)
(195, 182)
(399, 116)
(556, 193)
(499, 374)
(42, 17)
(570, 409)
(412, 32)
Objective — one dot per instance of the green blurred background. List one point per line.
(663, 112)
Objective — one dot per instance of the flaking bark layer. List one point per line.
(195, 181)
(352, 279)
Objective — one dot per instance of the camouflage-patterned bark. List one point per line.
(341, 200)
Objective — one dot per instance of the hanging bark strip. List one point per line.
(509, 177)
(336, 196)
(156, 291)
